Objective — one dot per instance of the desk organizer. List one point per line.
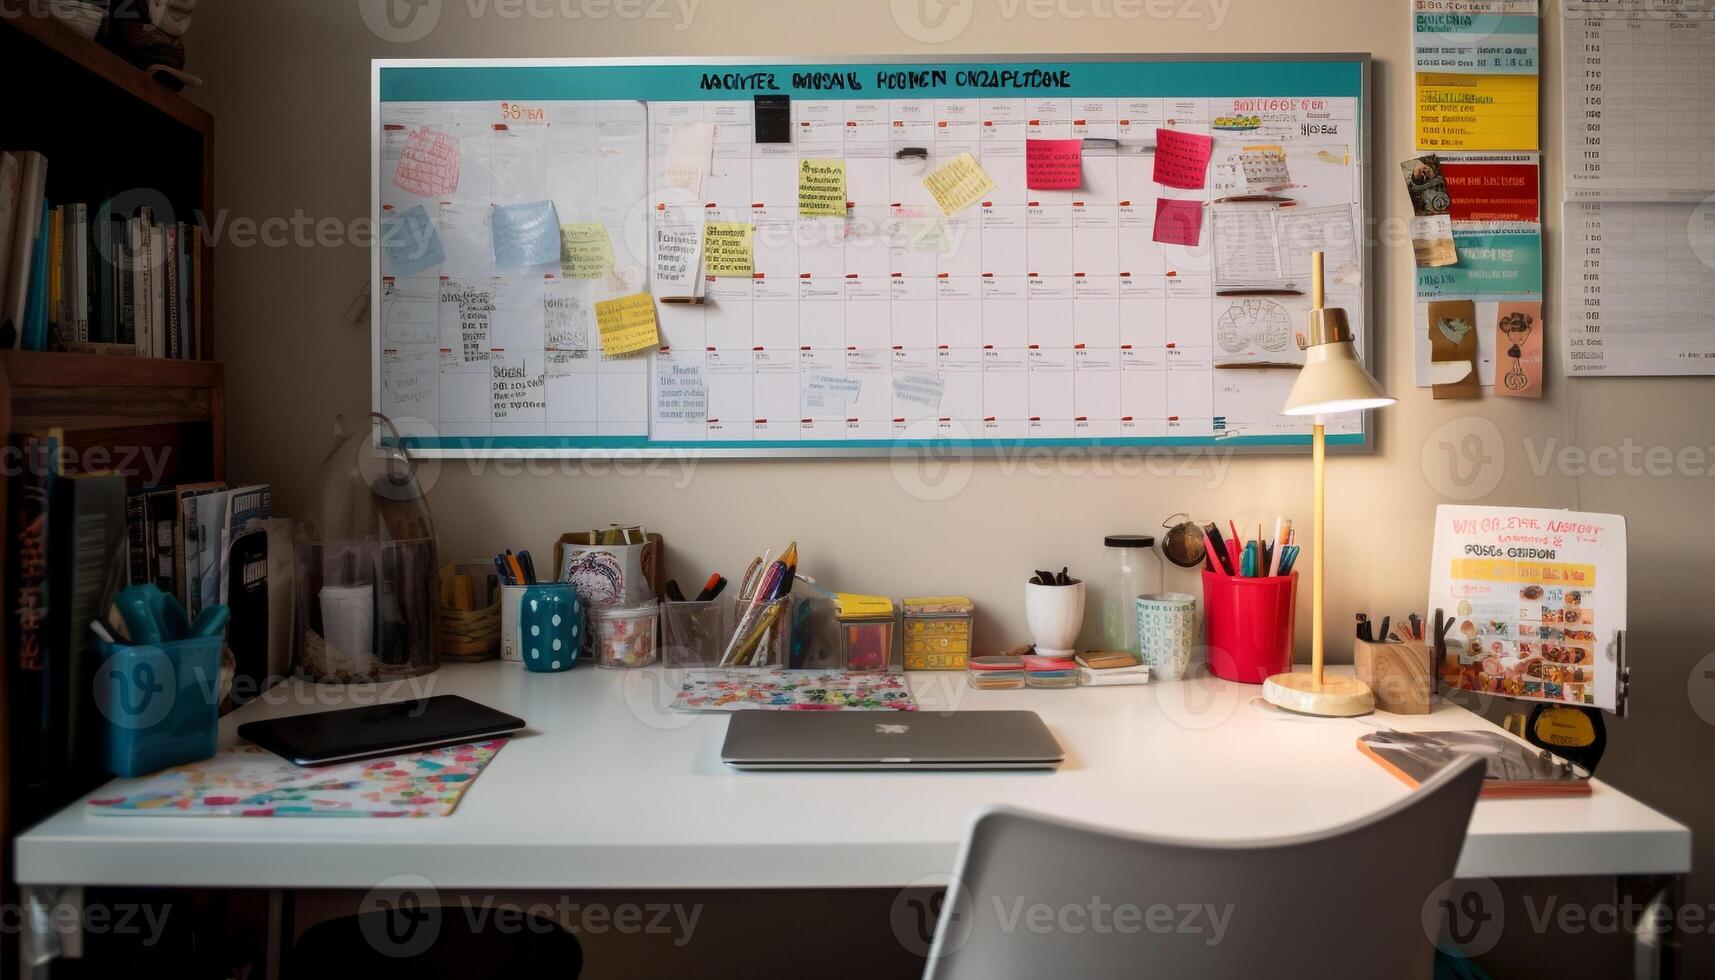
(1398, 674)
(160, 703)
(472, 634)
(695, 634)
(1249, 625)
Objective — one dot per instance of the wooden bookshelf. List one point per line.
(108, 131)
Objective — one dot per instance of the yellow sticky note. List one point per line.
(729, 248)
(585, 252)
(627, 324)
(959, 183)
(1476, 112)
(822, 188)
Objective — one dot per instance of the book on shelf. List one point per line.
(75, 276)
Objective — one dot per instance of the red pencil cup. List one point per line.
(1249, 625)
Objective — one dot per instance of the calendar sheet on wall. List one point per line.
(783, 259)
(1638, 273)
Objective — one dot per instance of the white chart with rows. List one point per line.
(1030, 315)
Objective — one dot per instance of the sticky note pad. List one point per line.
(773, 118)
(958, 183)
(1178, 222)
(526, 235)
(729, 248)
(585, 251)
(627, 325)
(411, 243)
(429, 164)
(822, 188)
(1182, 159)
(1054, 165)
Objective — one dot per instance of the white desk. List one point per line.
(611, 789)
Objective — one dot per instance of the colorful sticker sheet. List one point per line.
(249, 781)
(793, 690)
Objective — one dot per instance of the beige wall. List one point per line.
(289, 82)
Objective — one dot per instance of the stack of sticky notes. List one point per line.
(1111, 669)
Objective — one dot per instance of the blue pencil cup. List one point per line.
(161, 703)
(550, 627)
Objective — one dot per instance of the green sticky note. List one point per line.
(585, 252)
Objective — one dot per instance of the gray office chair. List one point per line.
(1040, 897)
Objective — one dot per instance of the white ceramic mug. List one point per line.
(1056, 616)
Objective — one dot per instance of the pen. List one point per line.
(529, 567)
(504, 570)
(1219, 547)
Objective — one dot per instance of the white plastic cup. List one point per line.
(348, 624)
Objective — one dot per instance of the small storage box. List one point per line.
(938, 632)
(866, 631)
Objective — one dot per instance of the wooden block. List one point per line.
(1398, 674)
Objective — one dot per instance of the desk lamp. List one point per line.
(1333, 381)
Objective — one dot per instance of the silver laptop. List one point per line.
(889, 740)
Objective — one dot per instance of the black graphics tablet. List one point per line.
(349, 734)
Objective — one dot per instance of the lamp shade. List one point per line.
(1334, 381)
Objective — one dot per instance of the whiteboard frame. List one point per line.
(1364, 444)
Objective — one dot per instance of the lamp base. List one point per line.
(1335, 697)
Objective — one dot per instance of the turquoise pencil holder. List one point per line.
(160, 702)
(550, 627)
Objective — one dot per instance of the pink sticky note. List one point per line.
(1054, 165)
(1178, 222)
(1182, 159)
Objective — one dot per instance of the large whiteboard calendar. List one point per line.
(847, 258)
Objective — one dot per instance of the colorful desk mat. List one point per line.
(248, 781)
(793, 690)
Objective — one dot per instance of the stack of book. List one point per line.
(73, 541)
(78, 276)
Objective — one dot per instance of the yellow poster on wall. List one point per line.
(1476, 112)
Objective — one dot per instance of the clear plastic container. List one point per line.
(866, 632)
(625, 635)
(1050, 672)
(995, 673)
(1130, 568)
(695, 634)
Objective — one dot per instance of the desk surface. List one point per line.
(609, 788)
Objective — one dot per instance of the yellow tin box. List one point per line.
(938, 632)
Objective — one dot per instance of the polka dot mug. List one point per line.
(550, 627)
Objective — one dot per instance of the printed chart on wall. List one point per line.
(1476, 198)
(767, 259)
(1536, 598)
(1638, 275)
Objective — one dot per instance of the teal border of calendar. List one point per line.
(680, 80)
(483, 82)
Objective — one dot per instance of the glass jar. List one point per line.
(624, 635)
(1130, 568)
(367, 578)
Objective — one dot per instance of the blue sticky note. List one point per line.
(526, 235)
(411, 242)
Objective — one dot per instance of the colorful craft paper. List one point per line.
(249, 781)
(793, 690)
